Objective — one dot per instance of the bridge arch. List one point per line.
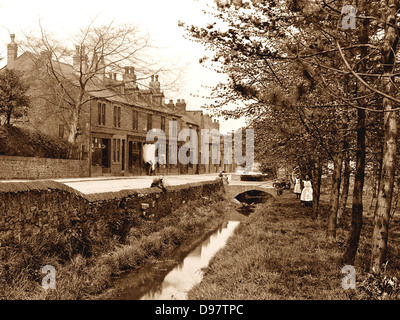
(233, 191)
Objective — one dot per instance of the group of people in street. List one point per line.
(303, 190)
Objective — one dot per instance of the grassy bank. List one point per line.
(86, 277)
(281, 253)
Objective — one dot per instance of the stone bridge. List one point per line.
(232, 190)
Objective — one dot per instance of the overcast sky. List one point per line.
(158, 18)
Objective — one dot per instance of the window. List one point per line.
(149, 122)
(135, 120)
(173, 155)
(117, 117)
(114, 150)
(174, 127)
(101, 113)
(117, 150)
(163, 123)
(215, 154)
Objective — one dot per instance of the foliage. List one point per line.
(380, 287)
(295, 65)
(16, 141)
(13, 95)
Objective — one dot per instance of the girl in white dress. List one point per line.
(307, 193)
(297, 188)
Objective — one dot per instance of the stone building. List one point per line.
(114, 123)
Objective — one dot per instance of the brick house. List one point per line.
(113, 125)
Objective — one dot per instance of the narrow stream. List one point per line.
(183, 277)
(158, 283)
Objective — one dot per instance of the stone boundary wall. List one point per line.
(41, 168)
(36, 208)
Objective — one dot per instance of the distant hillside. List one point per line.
(19, 142)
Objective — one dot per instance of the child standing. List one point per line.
(297, 187)
(307, 193)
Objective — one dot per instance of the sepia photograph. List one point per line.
(205, 155)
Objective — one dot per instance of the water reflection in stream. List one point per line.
(183, 277)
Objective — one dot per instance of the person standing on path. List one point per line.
(307, 193)
(297, 187)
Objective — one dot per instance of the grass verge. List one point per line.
(280, 253)
(86, 278)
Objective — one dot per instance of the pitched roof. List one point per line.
(28, 61)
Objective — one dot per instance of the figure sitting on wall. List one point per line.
(158, 183)
(223, 178)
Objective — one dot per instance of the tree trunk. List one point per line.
(357, 206)
(385, 193)
(73, 133)
(317, 176)
(374, 183)
(73, 127)
(378, 182)
(345, 190)
(359, 176)
(336, 180)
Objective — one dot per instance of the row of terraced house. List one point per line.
(113, 125)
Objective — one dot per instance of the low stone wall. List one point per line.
(41, 168)
(37, 208)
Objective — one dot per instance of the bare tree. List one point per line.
(70, 79)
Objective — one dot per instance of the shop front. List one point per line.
(101, 155)
(136, 164)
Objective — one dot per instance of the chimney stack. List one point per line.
(12, 52)
(171, 104)
(130, 77)
(155, 86)
(181, 106)
(80, 59)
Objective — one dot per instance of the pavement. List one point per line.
(100, 185)
(114, 184)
